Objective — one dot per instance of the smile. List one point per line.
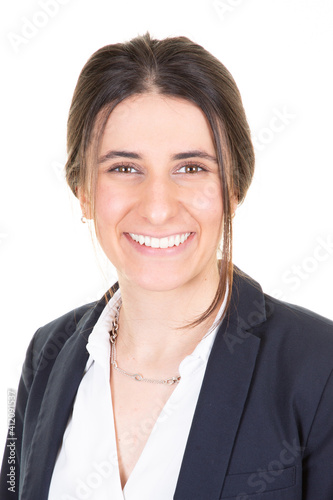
(167, 242)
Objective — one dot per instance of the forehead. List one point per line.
(155, 118)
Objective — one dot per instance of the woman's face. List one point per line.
(158, 198)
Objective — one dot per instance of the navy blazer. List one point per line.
(263, 424)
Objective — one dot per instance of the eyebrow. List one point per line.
(179, 156)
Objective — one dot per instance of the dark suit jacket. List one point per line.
(263, 424)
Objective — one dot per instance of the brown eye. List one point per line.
(123, 169)
(191, 168)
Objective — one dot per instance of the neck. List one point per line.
(152, 324)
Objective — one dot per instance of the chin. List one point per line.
(157, 285)
(157, 281)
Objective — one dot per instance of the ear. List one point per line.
(84, 203)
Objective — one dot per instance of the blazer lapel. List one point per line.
(222, 397)
(56, 407)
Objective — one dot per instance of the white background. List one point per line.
(280, 54)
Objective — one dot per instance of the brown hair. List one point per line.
(174, 67)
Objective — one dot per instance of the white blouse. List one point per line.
(86, 467)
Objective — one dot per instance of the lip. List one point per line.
(159, 252)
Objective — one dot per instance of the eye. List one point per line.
(123, 169)
(192, 168)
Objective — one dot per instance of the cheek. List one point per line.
(208, 200)
(110, 204)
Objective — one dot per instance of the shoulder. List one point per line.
(50, 338)
(63, 326)
(300, 325)
(283, 328)
(79, 320)
(298, 347)
(66, 334)
(259, 306)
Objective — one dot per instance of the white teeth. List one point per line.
(166, 242)
(154, 242)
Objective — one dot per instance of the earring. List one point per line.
(83, 219)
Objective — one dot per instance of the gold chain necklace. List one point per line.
(135, 376)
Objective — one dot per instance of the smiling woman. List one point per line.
(107, 96)
(185, 381)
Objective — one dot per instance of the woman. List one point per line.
(185, 381)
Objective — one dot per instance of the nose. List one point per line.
(159, 200)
